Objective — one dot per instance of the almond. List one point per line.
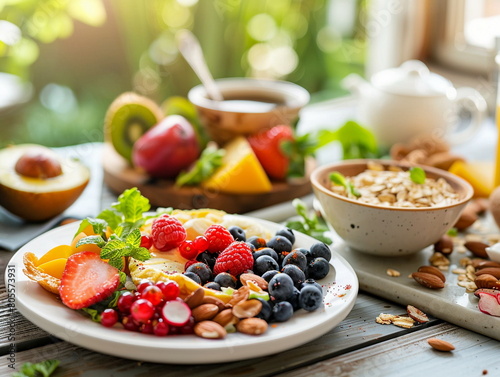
(209, 330)
(240, 295)
(247, 308)
(204, 311)
(466, 219)
(252, 326)
(428, 280)
(225, 318)
(495, 271)
(444, 245)
(195, 298)
(258, 280)
(417, 314)
(432, 270)
(215, 301)
(477, 248)
(486, 281)
(440, 345)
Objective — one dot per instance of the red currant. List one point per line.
(161, 328)
(147, 328)
(188, 250)
(153, 294)
(143, 284)
(142, 310)
(125, 302)
(109, 317)
(146, 242)
(170, 289)
(130, 324)
(201, 244)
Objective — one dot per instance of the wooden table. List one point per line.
(357, 347)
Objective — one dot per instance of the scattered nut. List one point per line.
(428, 280)
(385, 319)
(403, 321)
(252, 326)
(209, 330)
(195, 298)
(466, 219)
(417, 314)
(487, 281)
(204, 311)
(261, 282)
(432, 270)
(495, 271)
(225, 318)
(439, 260)
(477, 248)
(444, 245)
(215, 301)
(240, 295)
(440, 345)
(247, 308)
(392, 272)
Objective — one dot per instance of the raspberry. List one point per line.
(167, 232)
(235, 259)
(218, 238)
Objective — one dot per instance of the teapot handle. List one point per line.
(471, 101)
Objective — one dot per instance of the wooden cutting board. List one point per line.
(119, 176)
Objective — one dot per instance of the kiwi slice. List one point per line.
(127, 119)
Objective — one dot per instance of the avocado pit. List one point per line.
(38, 162)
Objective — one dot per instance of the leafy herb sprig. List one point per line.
(339, 179)
(41, 369)
(309, 223)
(209, 161)
(417, 175)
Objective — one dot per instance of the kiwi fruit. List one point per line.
(127, 119)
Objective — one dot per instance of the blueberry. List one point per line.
(306, 252)
(295, 273)
(258, 242)
(267, 276)
(297, 258)
(280, 244)
(288, 233)
(193, 277)
(282, 311)
(225, 279)
(202, 270)
(266, 311)
(313, 282)
(281, 287)
(321, 250)
(318, 268)
(265, 251)
(263, 264)
(207, 258)
(310, 298)
(237, 233)
(213, 285)
(294, 299)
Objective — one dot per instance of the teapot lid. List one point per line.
(411, 78)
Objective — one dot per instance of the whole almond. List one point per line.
(417, 314)
(209, 330)
(215, 301)
(466, 219)
(495, 271)
(486, 281)
(444, 245)
(477, 248)
(247, 308)
(225, 318)
(428, 280)
(440, 345)
(195, 298)
(432, 270)
(204, 311)
(486, 263)
(252, 326)
(258, 280)
(240, 295)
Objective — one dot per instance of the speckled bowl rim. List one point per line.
(198, 94)
(319, 173)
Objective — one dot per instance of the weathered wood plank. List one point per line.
(358, 330)
(474, 355)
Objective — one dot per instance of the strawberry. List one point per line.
(268, 147)
(86, 280)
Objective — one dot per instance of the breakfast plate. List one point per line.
(45, 310)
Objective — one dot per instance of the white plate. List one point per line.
(46, 311)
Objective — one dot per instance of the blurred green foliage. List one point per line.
(81, 54)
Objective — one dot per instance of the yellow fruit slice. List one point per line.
(479, 174)
(87, 247)
(61, 251)
(241, 171)
(54, 267)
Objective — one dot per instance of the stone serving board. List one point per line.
(452, 303)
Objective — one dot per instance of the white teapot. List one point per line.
(401, 103)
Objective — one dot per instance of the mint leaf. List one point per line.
(44, 369)
(117, 263)
(98, 225)
(93, 314)
(132, 205)
(453, 232)
(210, 160)
(417, 175)
(111, 216)
(339, 179)
(308, 224)
(95, 240)
(357, 141)
(140, 253)
(134, 238)
(113, 249)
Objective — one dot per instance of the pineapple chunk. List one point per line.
(241, 171)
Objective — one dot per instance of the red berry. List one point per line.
(190, 263)
(143, 284)
(218, 238)
(161, 328)
(125, 302)
(167, 232)
(146, 241)
(129, 323)
(153, 294)
(109, 317)
(86, 280)
(188, 250)
(235, 259)
(147, 328)
(170, 289)
(201, 244)
(142, 310)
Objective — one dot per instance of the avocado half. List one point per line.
(39, 199)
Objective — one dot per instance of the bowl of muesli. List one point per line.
(389, 208)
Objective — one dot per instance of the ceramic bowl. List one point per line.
(386, 231)
(249, 106)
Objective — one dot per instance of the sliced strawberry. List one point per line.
(267, 146)
(86, 280)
